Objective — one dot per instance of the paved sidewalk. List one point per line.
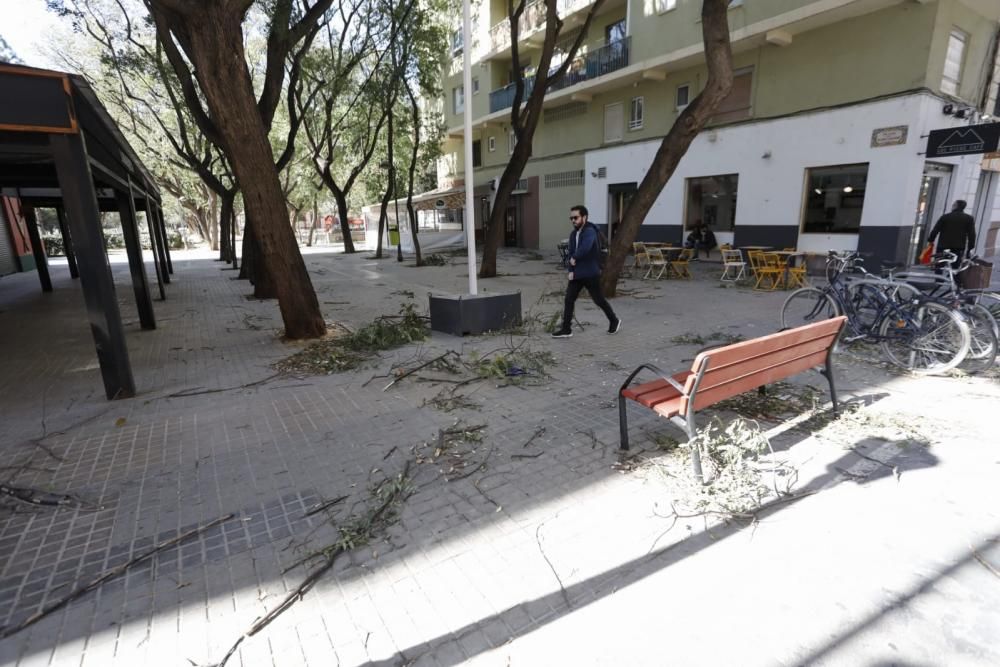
(566, 557)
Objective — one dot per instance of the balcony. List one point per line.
(532, 20)
(607, 59)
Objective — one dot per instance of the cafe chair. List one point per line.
(654, 257)
(733, 266)
(679, 266)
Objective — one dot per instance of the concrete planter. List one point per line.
(464, 314)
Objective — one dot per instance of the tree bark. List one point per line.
(525, 121)
(211, 35)
(719, 57)
(390, 188)
(411, 174)
(226, 204)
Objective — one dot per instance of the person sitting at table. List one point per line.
(700, 238)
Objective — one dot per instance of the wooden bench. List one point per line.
(723, 372)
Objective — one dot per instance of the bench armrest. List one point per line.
(669, 380)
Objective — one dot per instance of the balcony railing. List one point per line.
(607, 59)
(532, 19)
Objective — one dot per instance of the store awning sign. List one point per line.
(969, 140)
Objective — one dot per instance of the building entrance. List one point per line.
(931, 205)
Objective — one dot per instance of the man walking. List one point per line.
(957, 230)
(584, 254)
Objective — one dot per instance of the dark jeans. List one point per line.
(699, 246)
(593, 286)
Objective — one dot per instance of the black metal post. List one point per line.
(165, 244)
(153, 215)
(152, 246)
(77, 184)
(67, 243)
(130, 229)
(37, 249)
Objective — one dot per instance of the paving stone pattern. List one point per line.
(540, 538)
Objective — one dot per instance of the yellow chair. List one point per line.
(764, 273)
(641, 258)
(797, 273)
(654, 257)
(680, 266)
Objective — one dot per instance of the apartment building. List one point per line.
(819, 145)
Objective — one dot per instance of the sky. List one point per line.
(25, 24)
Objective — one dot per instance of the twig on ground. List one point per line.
(320, 507)
(39, 498)
(985, 563)
(110, 574)
(417, 368)
(199, 392)
(562, 589)
(526, 456)
(537, 433)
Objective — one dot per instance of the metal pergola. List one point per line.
(59, 148)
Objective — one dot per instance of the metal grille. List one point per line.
(564, 179)
(565, 111)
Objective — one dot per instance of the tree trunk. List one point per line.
(719, 57)
(214, 44)
(345, 228)
(227, 251)
(411, 174)
(525, 121)
(390, 189)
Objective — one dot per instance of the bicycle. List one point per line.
(914, 332)
(941, 286)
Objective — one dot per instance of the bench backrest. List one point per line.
(740, 367)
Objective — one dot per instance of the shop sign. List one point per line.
(889, 136)
(967, 140)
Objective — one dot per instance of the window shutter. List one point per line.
(614, 122)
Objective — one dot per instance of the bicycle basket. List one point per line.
(977, 276)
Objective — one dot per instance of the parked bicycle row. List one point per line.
(922, 317)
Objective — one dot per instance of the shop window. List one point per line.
(712, 200)
(952, 77)
(835, 199)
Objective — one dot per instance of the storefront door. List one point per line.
(931, 205)
(619, 195)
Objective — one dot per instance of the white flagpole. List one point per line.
(469, 219)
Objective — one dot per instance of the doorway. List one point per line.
(619, 196)
(511, 221)
(931, 205)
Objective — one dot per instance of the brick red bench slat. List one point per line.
(728, 371)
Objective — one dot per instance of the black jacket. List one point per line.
(957, 230)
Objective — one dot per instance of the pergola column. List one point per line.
(77, 185)
(130, 229)
(156, 218)
(67, 243)
(154, 244)
(37, 249)
(166, 240)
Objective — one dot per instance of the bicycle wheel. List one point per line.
(982, 339)
(865, 297)
(805, 306)
(924, 337)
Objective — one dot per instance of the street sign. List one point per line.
(967, 140)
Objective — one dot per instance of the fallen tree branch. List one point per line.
(417, 368)
(192, 392)
(37, 497)
(534, 435)
(110, 574)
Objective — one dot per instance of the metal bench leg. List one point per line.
(622, 423)
(692, 433)
(828, 372)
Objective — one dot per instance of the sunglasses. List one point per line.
(574, 217)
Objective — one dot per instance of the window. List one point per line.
(458, 100)
(663, 6)
(511, 142)
(952, 77)
(736, 106)
(834, 199)
(635, 114)
(491, 144)
(614, 122)
(475, 85)
(712, 200)
(683, 96)
(614, 32)
(477, 153)
(456, 42)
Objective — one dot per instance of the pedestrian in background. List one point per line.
(957, 230)
(584, 254)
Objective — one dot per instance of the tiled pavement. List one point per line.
(557, 559)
